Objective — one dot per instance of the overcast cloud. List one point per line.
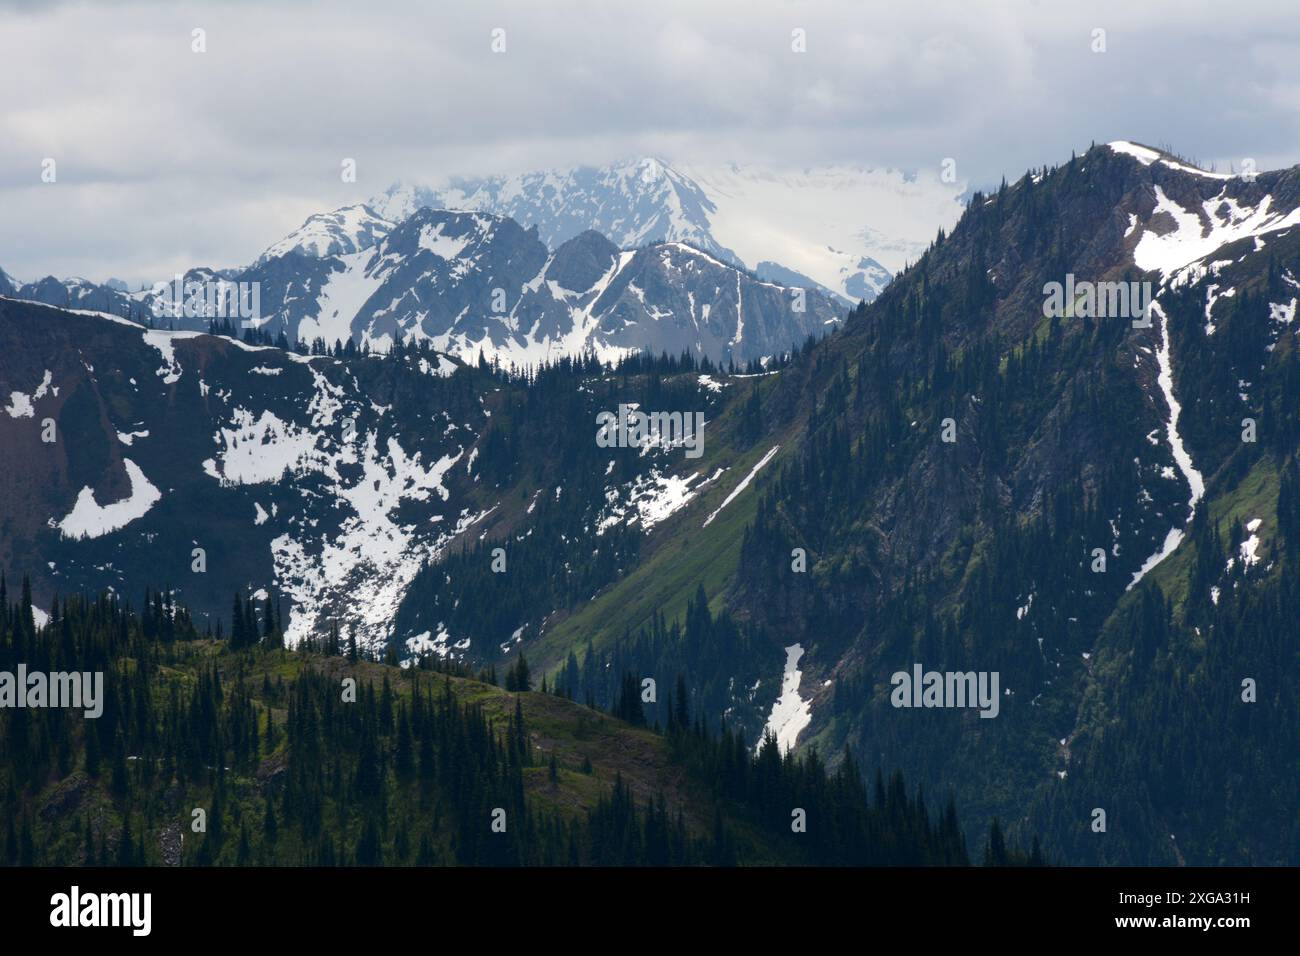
(167, 158)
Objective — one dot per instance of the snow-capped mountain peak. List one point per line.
(633, 202)
(342, 232)
(845, 229)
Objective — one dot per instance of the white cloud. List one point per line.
(167, 158)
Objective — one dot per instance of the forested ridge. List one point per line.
(412, 768)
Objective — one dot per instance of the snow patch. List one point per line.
(1195, 235)
(791, 713)
(742, 486)
(89, 519)
(341, 298)
(1181, 457)
(20, 406)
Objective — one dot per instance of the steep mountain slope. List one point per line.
(234, 468)
(327, 480)
(1071, 439)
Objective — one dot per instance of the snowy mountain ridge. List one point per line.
(847, 229)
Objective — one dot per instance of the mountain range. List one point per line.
(1097, 506)
(830, 227)
(528, 267)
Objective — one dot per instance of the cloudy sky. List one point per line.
(168, 158)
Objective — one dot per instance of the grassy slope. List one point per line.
(1255, 496)
(679, 555)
